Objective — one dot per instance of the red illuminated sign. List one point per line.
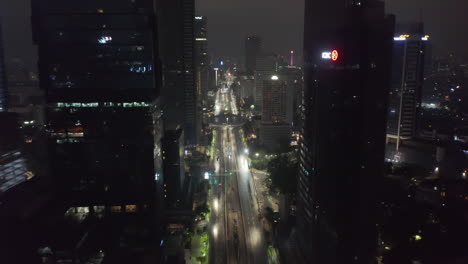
(334, 55)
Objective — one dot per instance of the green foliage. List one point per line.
(203, 209)
(260, 164)
(248, 128)
(269, 214)
(283, 173)
(283, 145)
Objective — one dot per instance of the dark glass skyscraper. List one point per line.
(3, 81)
(202, 63)
(347, 48)
(98, 66)
(177, 48)
(408, 63)
(253, 49)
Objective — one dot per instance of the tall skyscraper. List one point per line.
(3, 81)
(409, 60)
(277, 101)
(275, 126)
(253, 49)
(202, 63)
(98, 66)
(177, 49)
(266, 66)
(192, 118)
(173, 167)
(293, 76)
(347, 47)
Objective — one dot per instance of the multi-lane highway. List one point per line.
(236, 234)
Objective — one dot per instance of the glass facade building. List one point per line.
(253, 49)
(202, 62)
(177, 49)
(98, 64)
(408, 63)
(347, 47)
(3, 81)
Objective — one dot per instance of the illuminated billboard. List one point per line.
(333, 55)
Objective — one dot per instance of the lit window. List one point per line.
(130, 208)
(116, 209)
(99, 209)
(82, 210)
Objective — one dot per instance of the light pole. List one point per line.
(216, 75)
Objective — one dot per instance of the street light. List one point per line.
(216, 204)
(246, 151)
(207, 175)
(215, 231)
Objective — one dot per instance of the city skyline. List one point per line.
(231, 21)
(227, 132)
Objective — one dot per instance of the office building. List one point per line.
(177, 49)
(277, 113)
(347, 47)
(98, 68)
(266, 66)
(247, 88)
(277, 101)
(408, 69)
(12, 163)
(201, 41)
(293, 78)
(173, 167)
(26, 99)
(274, 136)
(3, 81)
(253, 49)
(202, 63)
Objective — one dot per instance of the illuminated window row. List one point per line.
(130, 208)
(68, 140)
(102, 104)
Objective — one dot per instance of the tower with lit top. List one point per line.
(347, 52)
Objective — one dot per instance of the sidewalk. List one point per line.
(265, 199)
(200, 248)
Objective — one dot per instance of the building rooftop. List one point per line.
(13, 170)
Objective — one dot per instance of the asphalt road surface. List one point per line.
(236, 234)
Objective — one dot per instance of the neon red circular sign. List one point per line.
(334, 55)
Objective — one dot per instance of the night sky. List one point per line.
(279, 22)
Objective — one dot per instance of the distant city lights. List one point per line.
(105, 39)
